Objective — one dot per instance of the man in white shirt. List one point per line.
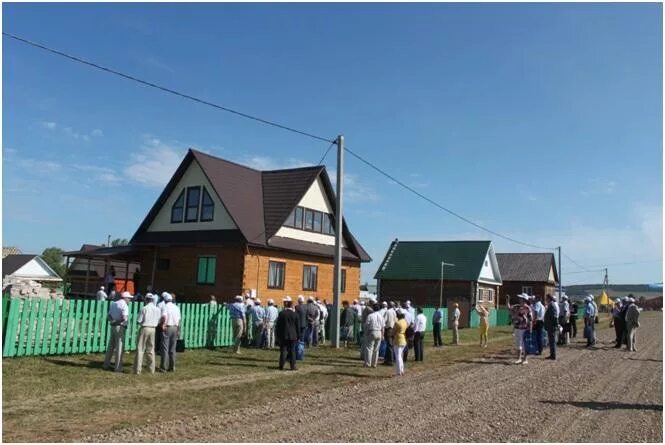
(323, 316)
(101, 295)
(419, 328)
(390, 317)
(148, 320)
(456, 316)
(373, 330)
(411, 311)
(170, 322)
(271, 318)
(117, 316)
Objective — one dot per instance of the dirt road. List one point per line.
(587, 395)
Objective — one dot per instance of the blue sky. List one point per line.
(540, 121)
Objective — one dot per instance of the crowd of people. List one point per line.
(531, 319)
(388, 330)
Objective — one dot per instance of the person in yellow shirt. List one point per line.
(484, 325)
(399, 342)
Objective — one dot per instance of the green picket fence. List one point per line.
(53, 327)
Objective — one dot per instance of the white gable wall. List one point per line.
(34, 269)
(490, 268)
(551, 277)
(315, 198)
(193, 176)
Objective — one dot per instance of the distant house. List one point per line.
(529, 273)
(28, 267)
(222, 228)
(411, 270)
(10, 250)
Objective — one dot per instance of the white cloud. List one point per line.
(103, 174)
(49, 125)
(97, 133)
(38, 166)
(355, 189)
(154, 163)
(598, 186)
(70, 132)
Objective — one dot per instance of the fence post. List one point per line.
(10, 331)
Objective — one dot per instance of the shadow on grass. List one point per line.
(90, 364)
(604, 406)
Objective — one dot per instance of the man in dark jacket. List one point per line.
(301, 310)
(551, 324)
(287, 333)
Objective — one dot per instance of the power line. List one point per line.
(326, 153)
(614, 264)
(165, 89)
(575, 262)
(431, 201)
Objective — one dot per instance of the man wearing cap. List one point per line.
(271, 317)
(117, 316)
(287, 331)
(412, 312)
(456, 316)
(632, 323)
(258, 315)
(573, 319)
(237, 316)
(364, 335)
(522, 319)
(564, 316)
(618, 322)
(170, 322)
(589, 322)
(148, 320)
(101, 295)
(551, 324)
(346, 321)
(301, 310)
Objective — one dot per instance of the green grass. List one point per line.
(67, 397)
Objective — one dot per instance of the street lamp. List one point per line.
(441, 285)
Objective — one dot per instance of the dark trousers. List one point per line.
(388, 335)
(538, 332)
(551, 339)
(618, 330)
(169, 340)
(418, 345)
(573, 327)
(437, 334)
(287, 351)
(303, 330)
(312, 335)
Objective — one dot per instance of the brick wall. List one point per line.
(256, 275)
(180, 277)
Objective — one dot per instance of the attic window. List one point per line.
(193, 199)
(207, 206)
(177, 210)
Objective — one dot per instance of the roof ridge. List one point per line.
(196, 152)
(447, 241)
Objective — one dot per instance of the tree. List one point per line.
(119, 242)
(53, 257)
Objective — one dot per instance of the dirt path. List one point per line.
(588, 395)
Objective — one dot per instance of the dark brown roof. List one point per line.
(12, 263)
(257, 201)
(317, 249)
(526, 267)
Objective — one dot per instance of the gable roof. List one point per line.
(12, 263)
(258, 202)
(527, 267)
(421, 260)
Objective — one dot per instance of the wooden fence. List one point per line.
(54, 327)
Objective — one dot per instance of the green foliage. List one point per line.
(119, 242)
(53, 257)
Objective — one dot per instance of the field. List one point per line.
(460, 393)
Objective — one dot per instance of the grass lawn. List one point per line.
(63, 398)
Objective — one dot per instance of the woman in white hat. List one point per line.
(522, 319)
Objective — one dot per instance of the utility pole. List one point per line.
(560, 276)
(108, 242)
(441, 285)
(606, 281)
(337, 277)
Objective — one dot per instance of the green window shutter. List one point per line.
(212, 267)
(201, 275)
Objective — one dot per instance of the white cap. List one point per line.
(553, 297)
(355, 301)
(523, 296)
(301, 298)
(126, 295)
(310, 298)
(239, 297)
(617, 300)
(362, 303)
(565, 297)
(287, 298)
(164, 294)
(101, 288)
(632, 300)
(385, 303)
(167, 296)
(257, 301)
(372, 300)
(625, 298)
(408, 302)
(271, 301)
(149, 296)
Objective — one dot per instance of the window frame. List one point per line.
(188, 206)
(529, 292)
(204, 192)
(283, 280)
(342, 287)
(310, 267)
(207, 259)
(308, 212)
(481, 294)
(490, 295)
(300, 220)
(181, 207)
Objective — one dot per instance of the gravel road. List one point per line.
(587, 395)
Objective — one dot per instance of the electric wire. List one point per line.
(326, 153)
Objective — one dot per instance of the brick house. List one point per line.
(222, 228)
(412, 270)
(529, 273)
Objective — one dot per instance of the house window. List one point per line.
(291, 220)
(481, 296)
(490, 295)
(163, 264)
(527, 290)
(192, 207)
(178, 209)
(318, 221)
(309, 277)
(326, 224)
(309, 219)
(276, 274)
(206, 270)
(298, 217)
(343, 287)
(207, 206)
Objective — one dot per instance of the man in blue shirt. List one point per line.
(237, 316)
(539, 316)
(271, 318)
(258, 315)
(437, 321)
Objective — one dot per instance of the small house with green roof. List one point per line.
(412, 270)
